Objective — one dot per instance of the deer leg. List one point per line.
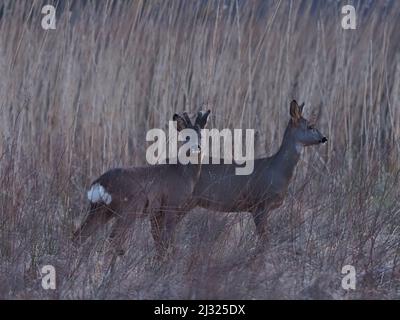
(98, 215)
(163, 229)
(164, 218)
(124, 222)
(157, 226)
(171, 222)
(119, 234)
(260, 220)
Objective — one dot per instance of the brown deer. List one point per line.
(161, 191)
(264, 190)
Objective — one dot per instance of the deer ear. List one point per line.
(187, 120)
(295, 111)
(180, 122)
(301, 107)
(202, 118)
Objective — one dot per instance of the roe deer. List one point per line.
(219, 189)
(154, 190)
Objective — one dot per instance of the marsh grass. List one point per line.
(78, 100)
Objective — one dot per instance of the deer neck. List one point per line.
(288, 155)
(198, 166)
(193, 170)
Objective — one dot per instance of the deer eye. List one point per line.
(310, 127)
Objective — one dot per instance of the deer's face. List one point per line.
(194, 130)
(307, 134)
(304, 131)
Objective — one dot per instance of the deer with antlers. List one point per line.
(161, 191)
(220, 189)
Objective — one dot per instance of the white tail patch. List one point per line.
(97, 193)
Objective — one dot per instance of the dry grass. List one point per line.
(79, 100)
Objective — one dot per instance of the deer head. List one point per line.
(303, 131)
(183, 122)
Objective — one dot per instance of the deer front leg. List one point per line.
(260, 216)
(260, 220)
(157, 223)
(172, 220)
(163, 229)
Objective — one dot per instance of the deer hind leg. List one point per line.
(98, 216)
(124, 222)
(119, 235)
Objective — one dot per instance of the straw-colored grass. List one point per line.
(78, 100)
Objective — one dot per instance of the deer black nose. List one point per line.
(323, 140)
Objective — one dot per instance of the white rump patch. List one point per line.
(97, 193)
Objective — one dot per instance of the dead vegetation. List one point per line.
(78, 100)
